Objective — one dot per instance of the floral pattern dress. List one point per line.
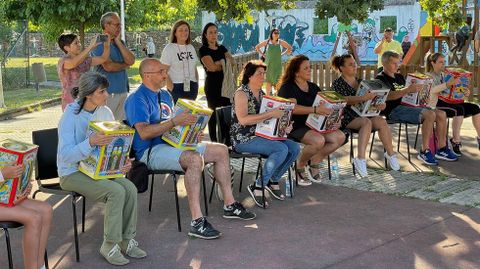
(342, 87)
(243, 133)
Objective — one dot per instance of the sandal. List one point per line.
(317, 177)
(257, 198)
(277, 193)
(302, 177)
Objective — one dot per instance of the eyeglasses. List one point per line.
(259, 73)
(276, 33)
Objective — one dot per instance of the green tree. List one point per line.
(240, 10)
(447, 14)
(347, 11)
(55, 16)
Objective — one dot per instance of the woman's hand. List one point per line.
(100, 139)
(289, 128)
(368, 96)
(382, 106)
(127, 166)
(275, 113)
(453, 81)
(13, 171)
(323, 110)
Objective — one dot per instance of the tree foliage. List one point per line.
(347, 10)
(447, 14)
(240, 10)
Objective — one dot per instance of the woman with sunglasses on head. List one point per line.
(74, 145)
(347, 85)
(271, 51)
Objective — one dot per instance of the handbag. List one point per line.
(264, 50)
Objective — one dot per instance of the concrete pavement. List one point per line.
(347, 223)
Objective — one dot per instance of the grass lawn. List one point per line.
(28, 96)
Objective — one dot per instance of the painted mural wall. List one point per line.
(296, 27)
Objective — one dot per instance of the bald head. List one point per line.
(153, 73)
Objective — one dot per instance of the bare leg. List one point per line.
(427, 127)
(192, 163)
(46, 212)
(218, 155)
(32, 221)
(364, 127)
(384, 133)
(314, 142)
(332, 142)
(476, 123)
(441, 124)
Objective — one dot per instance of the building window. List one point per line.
(388, 21)
(320, 26)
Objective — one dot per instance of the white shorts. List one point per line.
(166, 157)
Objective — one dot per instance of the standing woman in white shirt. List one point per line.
(180, 56)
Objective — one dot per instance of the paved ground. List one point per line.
(347, 223)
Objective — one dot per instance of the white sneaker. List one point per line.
(393, 161)
(361, 166)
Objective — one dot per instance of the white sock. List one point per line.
(43, 267)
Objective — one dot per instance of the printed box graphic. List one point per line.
(371, 107)
(420, 98)
(275, 129)
(456, 93)
(326, 124)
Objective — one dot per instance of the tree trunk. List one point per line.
(81, 33)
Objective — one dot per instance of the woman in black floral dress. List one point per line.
(347, 85)
(245, 115)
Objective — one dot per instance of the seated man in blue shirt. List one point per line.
(143, 113)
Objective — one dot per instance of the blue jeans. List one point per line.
(281, 154)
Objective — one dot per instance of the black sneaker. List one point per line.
(237, 211)
(203, 229)
(456, 147)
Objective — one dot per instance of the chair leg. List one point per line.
(290, 181)
(174, 176)
(151, 193)
(83, 213)
(351, 155)
(371, 145)
(45, 260)
(295, 172)
(329, 170)
(35, 193)
(241, 175)
(75, 230)
(408, 142)
(211, 190)
(399, 132)
(258, 167)
(385, 158)
(204, 194)
(261, 179)
(9, 249)
(416, 136)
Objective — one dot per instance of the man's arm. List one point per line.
(150, 131)
(378, 47)
(128, 57)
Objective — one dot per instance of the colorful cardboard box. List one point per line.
(275, 129)
(107, 161)
(420, 98)
(186, 137)
(371, 107)
(326, 124)
(456, 93)
(12, 152)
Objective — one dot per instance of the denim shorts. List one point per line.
(408, 114)
(166, 157)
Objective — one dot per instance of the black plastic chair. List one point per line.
(5, 225)
(352, 151)
(46, 168)
(174, 175)
(400, 123)
(224, 121)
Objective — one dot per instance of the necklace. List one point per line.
(303, 85)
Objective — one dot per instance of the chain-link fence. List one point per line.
(14, 53)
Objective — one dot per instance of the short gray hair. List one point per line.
(106, 18)
(389, 54)
(88, 83)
